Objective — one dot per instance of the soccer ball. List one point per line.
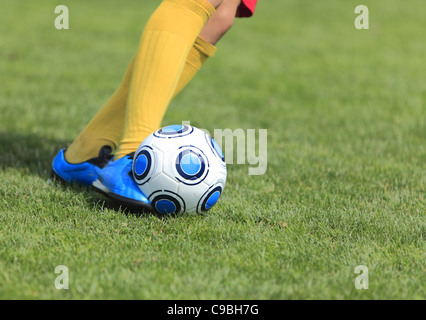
(180, 168)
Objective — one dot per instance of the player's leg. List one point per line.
(106, 128)
(221, 21)
(94, 145)
(159, 63)
(216, 3)
(157, 70)
(164, 47)
(173, 28)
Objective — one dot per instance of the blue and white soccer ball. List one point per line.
(180, 169)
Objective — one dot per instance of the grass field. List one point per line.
(345, 186)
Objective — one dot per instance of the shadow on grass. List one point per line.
(29, 152)
(33, 155)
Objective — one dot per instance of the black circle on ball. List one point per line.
(148, 165)
(184, 174)
(211, 142)
(184, 130)
(204, 203)
(168, 198)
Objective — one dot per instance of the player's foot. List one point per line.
(116, 182)
(81, 173)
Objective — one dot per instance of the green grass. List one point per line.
(345, 186)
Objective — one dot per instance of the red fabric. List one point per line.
(246, 8)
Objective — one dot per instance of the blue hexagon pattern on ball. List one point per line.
(181, 169)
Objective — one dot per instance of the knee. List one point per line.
(221, 21)
(225, 17)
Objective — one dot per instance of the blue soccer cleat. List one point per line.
(116, 182)
(81, 173)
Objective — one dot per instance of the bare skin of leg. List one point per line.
(216, 3)
(221, 21)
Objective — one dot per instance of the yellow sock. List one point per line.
(106, 127)
(166, 42)
(199, 53)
